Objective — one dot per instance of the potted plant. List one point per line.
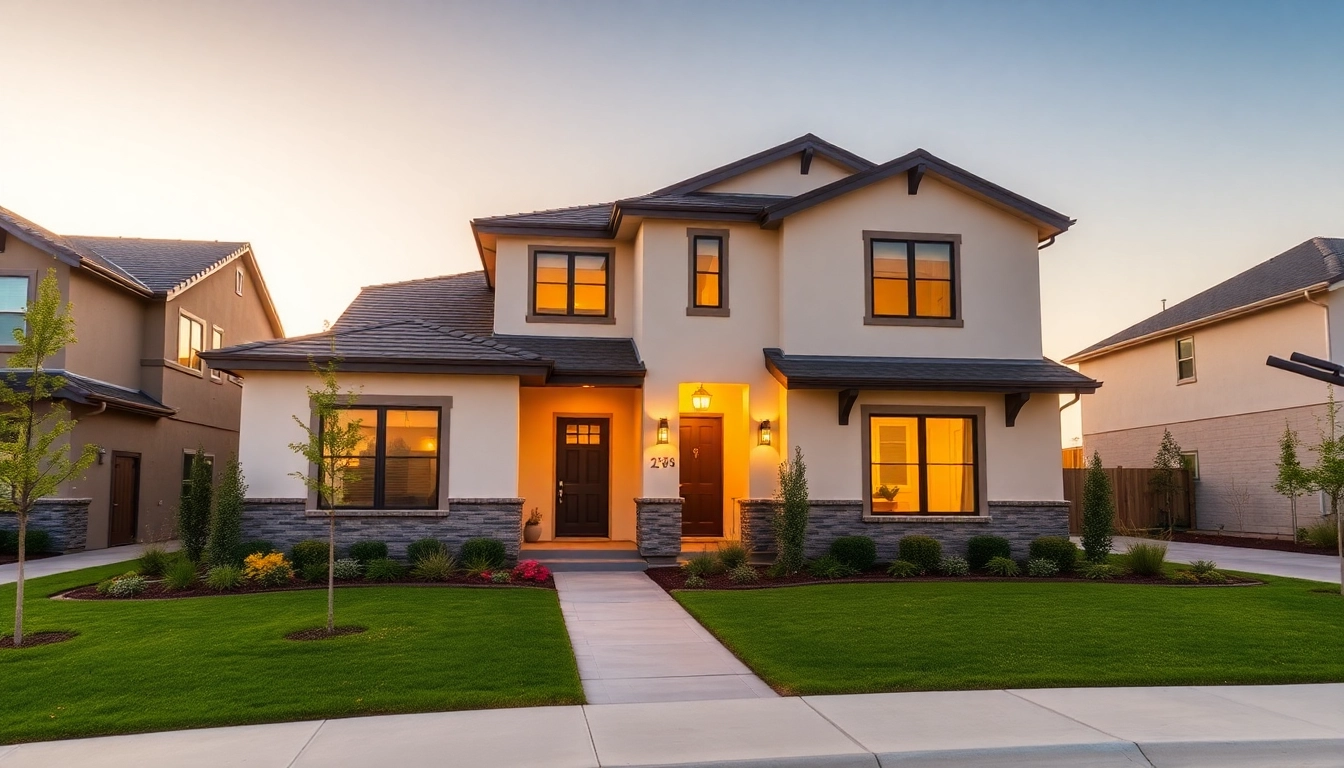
(532, 531)
(888, 495)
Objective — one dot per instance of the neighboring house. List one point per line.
(1198, 369)
(637, 370)
(144, 310)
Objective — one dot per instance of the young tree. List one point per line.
(1293, 479)
(332, 444)
(1098, 512)
(193, 509)
(226, 525)
(35, 453)
(1163, 482)
(1327, 476)
(791, 519)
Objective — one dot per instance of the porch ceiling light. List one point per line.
(700, 399)
(763, 433)
(662, 431)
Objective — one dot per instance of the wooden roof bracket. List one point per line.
(915, 176)
(847, 400)
(1012, 405)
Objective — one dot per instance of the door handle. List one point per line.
(560, 491)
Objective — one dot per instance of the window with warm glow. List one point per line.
(396, 466)
(912, 279)
(922, 465)
(190, 337)
(708, 272)
(570, 284)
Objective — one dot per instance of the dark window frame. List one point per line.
(380, 456)
(1194, 372)
(911, 239)
(608, 318)
(693, 307)
(188, 456)
(980, 458)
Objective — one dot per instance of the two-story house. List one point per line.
(1198, 369)
(144, 311)
(637, 370)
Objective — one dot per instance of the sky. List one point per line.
(351, 143)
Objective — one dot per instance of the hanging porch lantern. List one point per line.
(700, 399)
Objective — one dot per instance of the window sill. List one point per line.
(571, 319)
(1191, 380)
(707, 312)
(928, 322)
(344, 513)
(183, 369)
(927, 518)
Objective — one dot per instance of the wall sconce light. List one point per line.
(662, 431)
(700, 399)
(763, 433)
(101, 453)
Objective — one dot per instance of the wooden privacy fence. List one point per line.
(1136, 506)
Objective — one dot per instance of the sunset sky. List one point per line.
(352, 142)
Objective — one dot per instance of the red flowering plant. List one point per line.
(531, 570)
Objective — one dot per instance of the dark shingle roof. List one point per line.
(1318, 260)
(463, 302)
(82, 389)
(411, 342)
(924, 373)
(575, 216)
(160, 264)
(804, 143)
(595, 219)
(586, 356)
(63, 248)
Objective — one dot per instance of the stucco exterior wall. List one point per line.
(1140, 383)
(822, 255)
(512, 284)
(106, 318)
(783, 177)
(482, 435)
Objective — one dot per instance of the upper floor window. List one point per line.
(912, 278)
(188, 456)
(238, 281)
(920, 464)
(216, 342)
(708, 272)
(13, 303)
(396, 466)
(1185, 359)
(573, 286)
(190, 338)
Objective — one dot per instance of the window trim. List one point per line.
(1194, 370)
(216, 375)
(693, 309)
(532, 317)
(181, 313)
(6, 345)
(1192, 466)
(978, 423)
(238, 281)
(869, 318)
(186, 466)
(445, 406)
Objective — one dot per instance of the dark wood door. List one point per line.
(125, 503)
(701, 466)
(582, 488)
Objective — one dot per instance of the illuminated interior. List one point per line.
(406, 464)
(922, 465)
(708, 272)
(932, 263)
(571, 284)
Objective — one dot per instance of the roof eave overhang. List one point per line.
(1086, 386)
(235, 364)
(842, 157)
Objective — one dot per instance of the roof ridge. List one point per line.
(423, 279)
(158, 239)
(482, 340)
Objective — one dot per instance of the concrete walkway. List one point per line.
(73, 562)
(1297, 565)
(634, 643)
(1299, 725)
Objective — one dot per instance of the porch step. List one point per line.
(586, 559)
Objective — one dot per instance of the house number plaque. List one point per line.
(662, 462)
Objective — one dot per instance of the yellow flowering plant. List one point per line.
(269, 570)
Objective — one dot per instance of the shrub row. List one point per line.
(35, 541)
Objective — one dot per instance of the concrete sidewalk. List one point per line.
(1296, 565)
(48, 566)
(1301, 725)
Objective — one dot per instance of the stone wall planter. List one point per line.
(658, 529)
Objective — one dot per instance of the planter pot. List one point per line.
(882, 505)
(532, 533)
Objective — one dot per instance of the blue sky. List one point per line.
(352, 142)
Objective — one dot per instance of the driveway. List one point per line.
(1296, 565)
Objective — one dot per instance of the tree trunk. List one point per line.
(1292, 503)
(331, 572)
(1339, 544)
(18, 599)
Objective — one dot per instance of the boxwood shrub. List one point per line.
(981, 549)
(482, 551)
(368, 551)
(35, 541)
(857, 552)
(924, 551)
(1060, 549)
(308, 552)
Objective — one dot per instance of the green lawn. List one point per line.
(159, 665)
(918, 636)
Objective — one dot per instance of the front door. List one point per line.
(582, 490)
(702, 476)
(125, 502)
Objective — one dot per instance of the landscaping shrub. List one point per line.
(1201, 567)
(477, 566)
(9, 542)
(1212, 577)
(223, 578)
(1144, 559)
(422, 548)
(694, 582)
(1184, 577)
(348, 568)
(193, 508)
(703, 564)
(258, 547)
(731, 554)
(1042, 568)
(858, 552)
(924, 551)
(531, 570)
(490, 551)
(434, 565)
(1058, 549)
(1322, 533)
(180, 574)
(743, 574)
(35, 540)
(903, 569)
(830, 567)
(153, 561)
(226, 525)
(128, 585)
(313, 572)
(368, 551)
(1002, 566)
(1100, 571)
(501, 577)
(954, 566)
(981, 549)
(308, 552)
(1098, 511)
(268, 570)
(790, 522)
(383, 569)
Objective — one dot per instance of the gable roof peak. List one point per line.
(838, 155)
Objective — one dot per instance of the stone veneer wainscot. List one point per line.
(283, 522)
(66, 521)
(658, 529)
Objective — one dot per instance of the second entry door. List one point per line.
(701, 465)
(582, 487)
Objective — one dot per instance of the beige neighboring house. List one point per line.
(635, 371)
(1198, 369)
(144, 311)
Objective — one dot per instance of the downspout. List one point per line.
(1329, 349)
(1047, 244)
(1076, 397)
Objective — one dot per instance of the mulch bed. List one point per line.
(29, 557)
(155, 590)
(321, 633)
(1252, 542)
(675, 578)
(37, 638)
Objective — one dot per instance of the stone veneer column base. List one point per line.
(1017, 521)
(658, 529)
(65, 520)
(283, 522)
